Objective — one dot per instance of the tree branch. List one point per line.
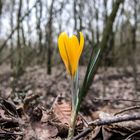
(114, 119)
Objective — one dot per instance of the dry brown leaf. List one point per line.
(62, 111)
(2, 113)
(46, 131)
(40, 131)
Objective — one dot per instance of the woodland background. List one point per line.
(29, 31)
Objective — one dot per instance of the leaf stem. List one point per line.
(72, 125)
(74, 92)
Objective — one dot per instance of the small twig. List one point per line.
(83, 119)
(127, 109)
(30, 98)
(59, 98)
(115, 119)
(12, 119)
(106, 121)
(132, 135)
(113, 100)
(83, 133)
(10, 133)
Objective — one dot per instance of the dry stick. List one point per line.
(127, 109)
(10, 133)
(132, 135)
(83, 119)
(83, 133)
(13, 31)
(10, 120)
(118, 99)
(114, 119)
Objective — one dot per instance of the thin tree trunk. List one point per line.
(38, 27)
(134, 29)
(104, 57)
(12, 25)
(75, 14)
(1, 5)
(80, 15)
(19, 68)
(49, 39)
(28, 25)
(97, 20)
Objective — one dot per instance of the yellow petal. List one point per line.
(61, 46)
(74, 43)
(81, 44)
(65, 51)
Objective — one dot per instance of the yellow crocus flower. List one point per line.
(70, 49)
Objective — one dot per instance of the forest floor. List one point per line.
(37, 106)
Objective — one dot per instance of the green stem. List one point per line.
(76, 85)
(72, 125)
(73, 119)
(74, 92)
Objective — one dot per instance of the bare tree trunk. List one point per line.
(75, 14)
(19, 67)
(1, 5)
(134, 29)
(105, 11)
(80, 15)
(121, 33)
(12, 25)
(104, 57)
(97, 19)
(28, 25)
(49, 39)
(38, 26)
(23, 35)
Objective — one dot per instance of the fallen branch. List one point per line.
(10, 133)
(114, 119)
(127, 109)
(9, 120)
(135, 133)
(115, 100)
(106, 121)
(83, 133)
